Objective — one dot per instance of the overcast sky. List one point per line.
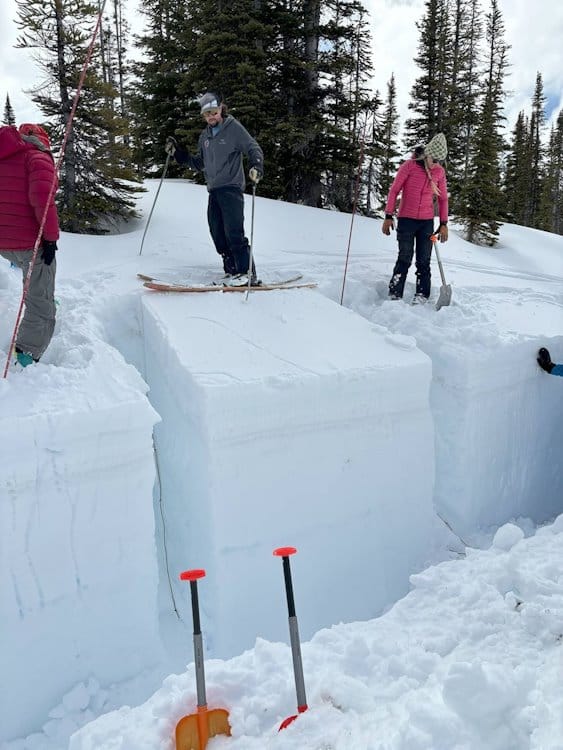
(536, 40)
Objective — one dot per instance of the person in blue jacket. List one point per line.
(544, 361)
(220, 149)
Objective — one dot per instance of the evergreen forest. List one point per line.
(297, 74)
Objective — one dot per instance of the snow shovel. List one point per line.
(284, 553)
(445, 296)
(193, 731)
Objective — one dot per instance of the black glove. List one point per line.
(170, 145)
(544, 360)
(49, 248)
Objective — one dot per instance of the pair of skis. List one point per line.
(161, 285)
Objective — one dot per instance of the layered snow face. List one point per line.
(502, 454)
(288, 420)
(78, 573)
(495, 412)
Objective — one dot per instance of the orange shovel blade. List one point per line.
(193, 731)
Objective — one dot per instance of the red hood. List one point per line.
(10, 142)
(33, 133)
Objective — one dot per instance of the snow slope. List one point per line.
(483, 429)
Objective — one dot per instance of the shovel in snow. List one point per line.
(193, 731)
(445, 296)
(284, 553)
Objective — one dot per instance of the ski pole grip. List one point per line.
(284, 553)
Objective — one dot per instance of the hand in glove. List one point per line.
(544, 360)
(388, 225)
(443, 232)
(170, 145)
(255, 175)
(48, 248)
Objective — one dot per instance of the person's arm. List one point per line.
(557, 370)
(443, 206)
(193, 162)
(396, 187)
(250, 148)
(40, 177)
(183, 157)
(443, 199)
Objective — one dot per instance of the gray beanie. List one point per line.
(209, 101)
(437, 148)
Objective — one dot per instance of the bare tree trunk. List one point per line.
(69, 180)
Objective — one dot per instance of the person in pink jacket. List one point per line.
(27, 179)
(421, 181)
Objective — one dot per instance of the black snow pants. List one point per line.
(411, 232)
(225, 216)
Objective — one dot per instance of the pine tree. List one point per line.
(345, 66)
(157, 104)
(517, 173)
(428, 95)
(462, 93)
(384, 162)
(482, 197)
(537, 122)
(550, 215)
(9, 114)
(95, 180)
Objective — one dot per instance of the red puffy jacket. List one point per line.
(26, 177)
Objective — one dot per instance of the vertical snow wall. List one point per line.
(78, 573)
(288, 420)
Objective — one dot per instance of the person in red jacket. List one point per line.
(421, 181)
(27, 179)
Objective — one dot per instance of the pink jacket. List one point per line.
(416, 199)
(26, 176)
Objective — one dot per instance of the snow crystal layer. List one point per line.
(284, 421)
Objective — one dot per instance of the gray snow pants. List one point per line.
(38, 323)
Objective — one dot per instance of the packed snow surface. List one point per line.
(357, 433)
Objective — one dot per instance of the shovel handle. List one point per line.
(193, 576)
(284, 553)
(434, 240)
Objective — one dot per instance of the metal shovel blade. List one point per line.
(445, 296)
(190, 735)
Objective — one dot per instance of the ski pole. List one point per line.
(355, 203)
(166, 163)
(284, 553)
(251, 263)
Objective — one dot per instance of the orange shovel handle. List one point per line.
(202, 726)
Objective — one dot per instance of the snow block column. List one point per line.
(288, 420)
(498, 450)
(78, 571)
